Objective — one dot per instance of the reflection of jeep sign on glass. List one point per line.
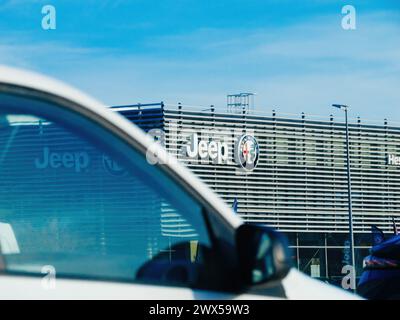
(112, 167)
(69, 160)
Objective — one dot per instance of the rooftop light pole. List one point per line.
(345, 109)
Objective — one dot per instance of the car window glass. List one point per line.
(68, 202)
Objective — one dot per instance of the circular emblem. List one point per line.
(112, 167)
(247, 152)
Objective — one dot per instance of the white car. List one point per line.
(93, 208)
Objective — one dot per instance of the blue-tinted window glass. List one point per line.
(65, 201)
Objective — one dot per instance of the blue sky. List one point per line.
(293, 54)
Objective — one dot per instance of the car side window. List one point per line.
(75, 204)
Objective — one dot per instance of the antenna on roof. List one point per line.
(240, 102)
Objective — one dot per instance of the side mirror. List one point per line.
(264, 254)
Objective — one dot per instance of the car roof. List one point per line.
(35, 81)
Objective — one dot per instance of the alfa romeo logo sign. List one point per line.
(247, 152)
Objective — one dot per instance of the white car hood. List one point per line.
(299, 286)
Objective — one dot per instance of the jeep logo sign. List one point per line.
(69, 160)
(245, 154)
(393, 160)
(214, 150)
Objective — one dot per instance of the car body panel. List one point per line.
(297, 286)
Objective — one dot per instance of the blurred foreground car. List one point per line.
(91, 207)
(381, 276)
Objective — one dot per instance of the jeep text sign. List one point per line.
(214, 150)
(69, 160)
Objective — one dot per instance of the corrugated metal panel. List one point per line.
(300, 183)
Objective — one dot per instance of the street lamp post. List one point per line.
(345, 108)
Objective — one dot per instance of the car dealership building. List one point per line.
(289, 172)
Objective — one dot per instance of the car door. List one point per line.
(79, 201)
(90, 207)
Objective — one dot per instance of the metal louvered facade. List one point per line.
(300, 182)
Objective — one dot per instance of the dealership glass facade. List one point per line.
(299, 185)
